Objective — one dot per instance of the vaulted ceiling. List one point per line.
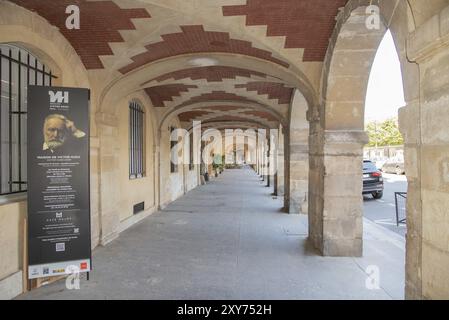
(238, 51)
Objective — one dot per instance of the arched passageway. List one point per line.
(230, 66)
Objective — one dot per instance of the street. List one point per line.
(382, 212)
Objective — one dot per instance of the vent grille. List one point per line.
(139, 207)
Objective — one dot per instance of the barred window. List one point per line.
(191, 158)
(173, 152)
(18, 69)
(136, 141)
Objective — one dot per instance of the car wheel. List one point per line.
(378, 195)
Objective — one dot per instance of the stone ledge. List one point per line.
(429, 38)
(105, 240)
(11, 286)
(131, 221)
(345, 137)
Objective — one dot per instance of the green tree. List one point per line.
(384, 134)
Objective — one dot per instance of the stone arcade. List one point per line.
(300, 66)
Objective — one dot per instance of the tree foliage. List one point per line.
(384, 133)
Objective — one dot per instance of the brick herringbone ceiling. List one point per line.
(306, 24)
(139, 35)
(101, 22)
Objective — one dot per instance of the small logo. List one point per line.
(76, 230)
(59, 96)
(34, 272)
(58, 214)
(57, 271)
(83, 266)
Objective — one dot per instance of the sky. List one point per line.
(385, 90)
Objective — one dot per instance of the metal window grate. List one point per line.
(18, 69)
(191, 164)
(173, 151)
(136, 143)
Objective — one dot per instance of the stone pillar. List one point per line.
(424, 124)
(299, 170)
(275, 164)
(268, 155)
(280, 163)
(109, 194)
(299, 155)
(336, 201)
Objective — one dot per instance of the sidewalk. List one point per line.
(229, 240)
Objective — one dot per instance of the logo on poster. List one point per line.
(59, 96)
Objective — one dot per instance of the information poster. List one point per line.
(59, 235)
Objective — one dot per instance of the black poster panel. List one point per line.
(59, 234)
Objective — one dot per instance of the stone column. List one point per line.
(280, 163)
(299, 155)
(336, 201)
(268, 155)
(299, 170)
(275, 163)
(424, 124)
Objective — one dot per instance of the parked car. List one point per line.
(394, 166)
(373, 182)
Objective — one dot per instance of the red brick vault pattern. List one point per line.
(194, 39)
(192, 115)
(261, 114)
(272, 89)
(100, 23)
(306, 24)
(160, 94)
(211, 74)
(216, 96)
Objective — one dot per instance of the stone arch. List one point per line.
(337, 132)
(135, 79)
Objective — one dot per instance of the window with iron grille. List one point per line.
(191, 164)
(18, 69)
(136, 141)
(173, 152)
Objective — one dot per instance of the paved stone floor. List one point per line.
(229, 240)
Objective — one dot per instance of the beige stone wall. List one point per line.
(12, 216)
(134, 191)
(299, 155)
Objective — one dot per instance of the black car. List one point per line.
(373, 182)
